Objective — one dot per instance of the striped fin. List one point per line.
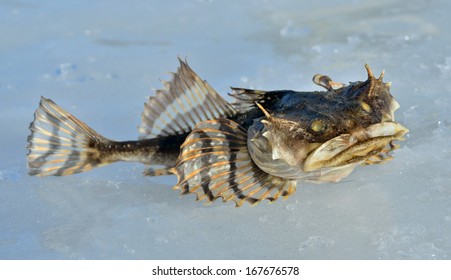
(214, 162)
(185, 101)
(60, 144)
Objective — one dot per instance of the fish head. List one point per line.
(324, 137)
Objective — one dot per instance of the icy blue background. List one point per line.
(100, 59)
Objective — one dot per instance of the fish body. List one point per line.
(253, 149)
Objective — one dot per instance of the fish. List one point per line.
(256, 148)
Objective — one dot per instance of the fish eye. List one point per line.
(365, 106)
(318, 125)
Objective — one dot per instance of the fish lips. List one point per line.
(355, 147)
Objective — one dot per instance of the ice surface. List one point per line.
(99, 60)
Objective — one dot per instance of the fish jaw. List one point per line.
(359, 146)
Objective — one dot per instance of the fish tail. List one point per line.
(60, 144)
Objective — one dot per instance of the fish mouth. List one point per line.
(368, 146)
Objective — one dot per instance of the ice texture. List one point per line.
(101, 59)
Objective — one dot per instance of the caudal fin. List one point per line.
(60, 144)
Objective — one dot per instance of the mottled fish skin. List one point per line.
(253, 149)
(320, 116)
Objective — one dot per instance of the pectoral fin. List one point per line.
(215, 162)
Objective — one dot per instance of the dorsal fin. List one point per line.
(246, 99)
(185, 101)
